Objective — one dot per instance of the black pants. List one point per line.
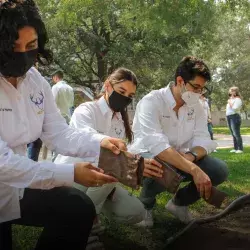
(66, 214)
(34, 148)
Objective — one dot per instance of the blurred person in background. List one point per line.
(234, 105)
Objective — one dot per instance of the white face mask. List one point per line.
(190, 98)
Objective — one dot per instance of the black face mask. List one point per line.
(18, 63)
(118, 102)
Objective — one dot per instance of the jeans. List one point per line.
(66, 214)
(210, 130)
(234, 123)
(216, 169)
(33, 149)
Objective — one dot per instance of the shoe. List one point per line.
(233, 151)
(181, 212)
(94, 243)
(148, 220)
(239, 152)
(97, 229)
(215, 151)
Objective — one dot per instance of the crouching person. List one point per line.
(170, 123)
(108, 116)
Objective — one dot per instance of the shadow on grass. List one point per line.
(123, 237)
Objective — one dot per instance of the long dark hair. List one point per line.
(118, 76)
(14, 15)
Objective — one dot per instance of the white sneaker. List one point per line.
(215, 151)
(94, 243)
(181, 212)
(239, 152)
(233, 151)
(148, 220)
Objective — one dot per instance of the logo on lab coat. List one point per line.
(38, 100)
(190, 114)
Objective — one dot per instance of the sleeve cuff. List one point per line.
(64, 175)
(159, 148)
(98, 137)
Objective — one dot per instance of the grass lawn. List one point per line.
(225, 130)
(129, 237)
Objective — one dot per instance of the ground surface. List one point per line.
(232, 231)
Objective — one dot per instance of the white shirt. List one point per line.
(236, 106)
(206, 108)
(29, 112)
(64, 97)
(97, 116)
(156, 126)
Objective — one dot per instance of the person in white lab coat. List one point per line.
(170, 123)
(41, 193)
(108, 115)
(64, 98)
(63, 94)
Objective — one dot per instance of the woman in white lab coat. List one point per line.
(108, 115)
(40, 193)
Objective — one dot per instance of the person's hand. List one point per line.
(188, 157)
(114, 144)
(90, 176)
(202, 182)
(152, 168)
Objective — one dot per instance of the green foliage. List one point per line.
(93, 37)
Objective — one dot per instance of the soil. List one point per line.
(229, 233)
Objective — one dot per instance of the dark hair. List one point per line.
(118, 76)
(190, 67)
(59, 74)
(14, 15)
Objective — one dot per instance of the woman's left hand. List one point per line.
(152, 168)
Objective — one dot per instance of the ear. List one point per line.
(106, 84)
(179, 81)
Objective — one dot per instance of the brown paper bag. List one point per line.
(170, 179)
(126, 167)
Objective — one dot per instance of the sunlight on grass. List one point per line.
(225, 130)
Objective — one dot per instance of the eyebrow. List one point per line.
(126, 90)
(35, 40)
(197, 85)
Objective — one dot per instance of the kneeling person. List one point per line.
(108, 116)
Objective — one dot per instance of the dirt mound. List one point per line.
(229, 233)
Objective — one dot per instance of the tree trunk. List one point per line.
(101, 67)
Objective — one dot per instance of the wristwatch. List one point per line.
(193, 154)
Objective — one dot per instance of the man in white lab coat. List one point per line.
(170, 123)
(63, 95)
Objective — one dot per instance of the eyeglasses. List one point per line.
(199, 89)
